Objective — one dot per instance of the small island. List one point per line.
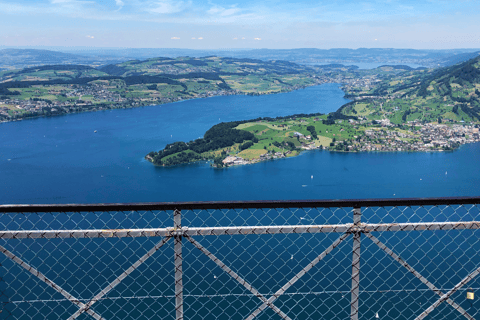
(252, 141)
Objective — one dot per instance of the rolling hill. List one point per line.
(450, 94)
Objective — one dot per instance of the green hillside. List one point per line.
(59, 89)
(446, 94)
(51, 72)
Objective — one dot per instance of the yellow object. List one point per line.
(470, 295)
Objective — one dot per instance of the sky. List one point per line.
(420, 24)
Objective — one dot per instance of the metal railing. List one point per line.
(407, 259)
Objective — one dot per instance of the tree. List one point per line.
(246, 145)
(218, 162)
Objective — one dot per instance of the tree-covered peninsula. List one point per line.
(252, 141)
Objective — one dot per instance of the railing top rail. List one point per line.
(263, 204)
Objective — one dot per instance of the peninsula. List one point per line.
(248, 142)
(414, 110)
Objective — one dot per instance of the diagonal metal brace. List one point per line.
(418, 275)
(115, 282)
(234, 275)
(49, 282)
(297, 277)
(449, 293)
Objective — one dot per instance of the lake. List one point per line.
(62, 160)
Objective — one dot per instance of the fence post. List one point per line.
(357, 214)
(177, 224)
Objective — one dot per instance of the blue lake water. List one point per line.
(62, 160)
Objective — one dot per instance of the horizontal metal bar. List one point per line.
(246, 230)
(420, 226)
(340, 203)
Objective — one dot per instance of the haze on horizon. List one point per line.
(421, 24)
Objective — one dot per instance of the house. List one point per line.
(298, 134)
(229, 160)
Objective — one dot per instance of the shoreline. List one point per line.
(104, 108)
(250, 162)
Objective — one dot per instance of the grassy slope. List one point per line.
(270, 132)
(157, 79)
(451, 94)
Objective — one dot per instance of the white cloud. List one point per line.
(229, 12)
(258, 39)
(221, 12)
(200, 38)
(70, 2)
(235, 38)
(193, 38)
(175, 38)
(167, 6)
(90, 37)
(120, 4)
(15, 8)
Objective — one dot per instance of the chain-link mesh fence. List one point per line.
(285, 260)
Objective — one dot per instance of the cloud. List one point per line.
(223, 12)
(258, 39)
(71, 2)
(235, 38)
(200, 38)
(193, 38)
(90, 37)
(167, 6)
(120, 4)
(175, 38)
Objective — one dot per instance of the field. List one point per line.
(68, 88)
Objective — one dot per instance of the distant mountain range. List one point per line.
(20, 58)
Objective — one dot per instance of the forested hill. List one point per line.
(450, 94)
(207, 65)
